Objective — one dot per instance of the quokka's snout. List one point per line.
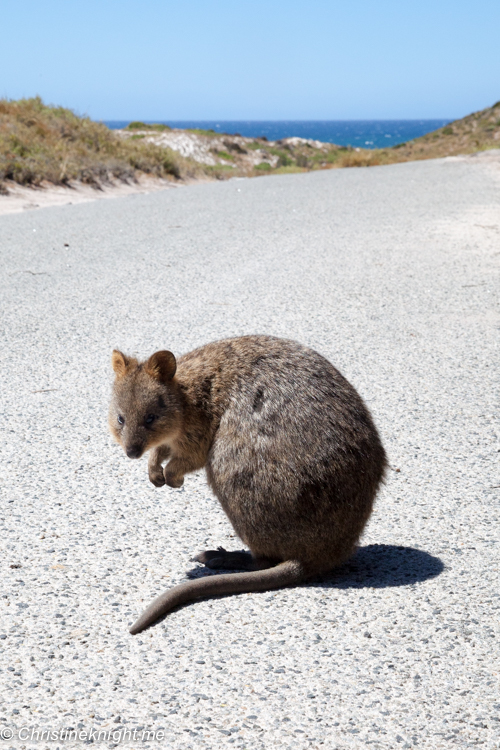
(134, 451)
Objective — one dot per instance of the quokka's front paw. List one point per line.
(173, 481)
(157, 477)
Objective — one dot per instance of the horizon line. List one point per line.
(215, 119)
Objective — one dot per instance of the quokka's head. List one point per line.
(145, 406)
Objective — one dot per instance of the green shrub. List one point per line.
(284, 159)
(138, 125)
(225, 155)
(333, 156)
(200, 131)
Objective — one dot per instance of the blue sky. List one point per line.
(235, 60)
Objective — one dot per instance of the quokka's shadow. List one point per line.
(373, 566)
(383, 566)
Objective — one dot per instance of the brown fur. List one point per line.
(290, 451)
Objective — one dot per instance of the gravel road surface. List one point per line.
(391, 273)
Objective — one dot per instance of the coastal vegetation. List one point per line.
(39, 143)
(42, 144)
(137, 125)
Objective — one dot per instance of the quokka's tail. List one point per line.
(285, 574)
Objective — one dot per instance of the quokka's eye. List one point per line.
(150, 419)
(120, 419)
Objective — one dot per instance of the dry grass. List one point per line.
(478, 131)
(41, 143)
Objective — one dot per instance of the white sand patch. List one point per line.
(492, 156)
(489, 159)
(21, 198)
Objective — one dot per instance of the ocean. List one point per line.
(357, 133)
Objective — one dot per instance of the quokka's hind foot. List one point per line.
(224, 560)
(221, 559)
(204, 557)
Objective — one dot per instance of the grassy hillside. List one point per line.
(476, 132)
(40, 143)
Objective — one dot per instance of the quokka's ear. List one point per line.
(120, 363)
(161, 366)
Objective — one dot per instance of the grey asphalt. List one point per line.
(391, 272)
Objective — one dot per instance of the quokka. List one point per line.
(289, 448)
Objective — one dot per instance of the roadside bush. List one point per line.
(43, 143)
(137, 125)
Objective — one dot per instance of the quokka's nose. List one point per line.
(134, 451)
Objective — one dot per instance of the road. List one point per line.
(390, 272)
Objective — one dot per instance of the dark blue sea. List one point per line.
(361, 133)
